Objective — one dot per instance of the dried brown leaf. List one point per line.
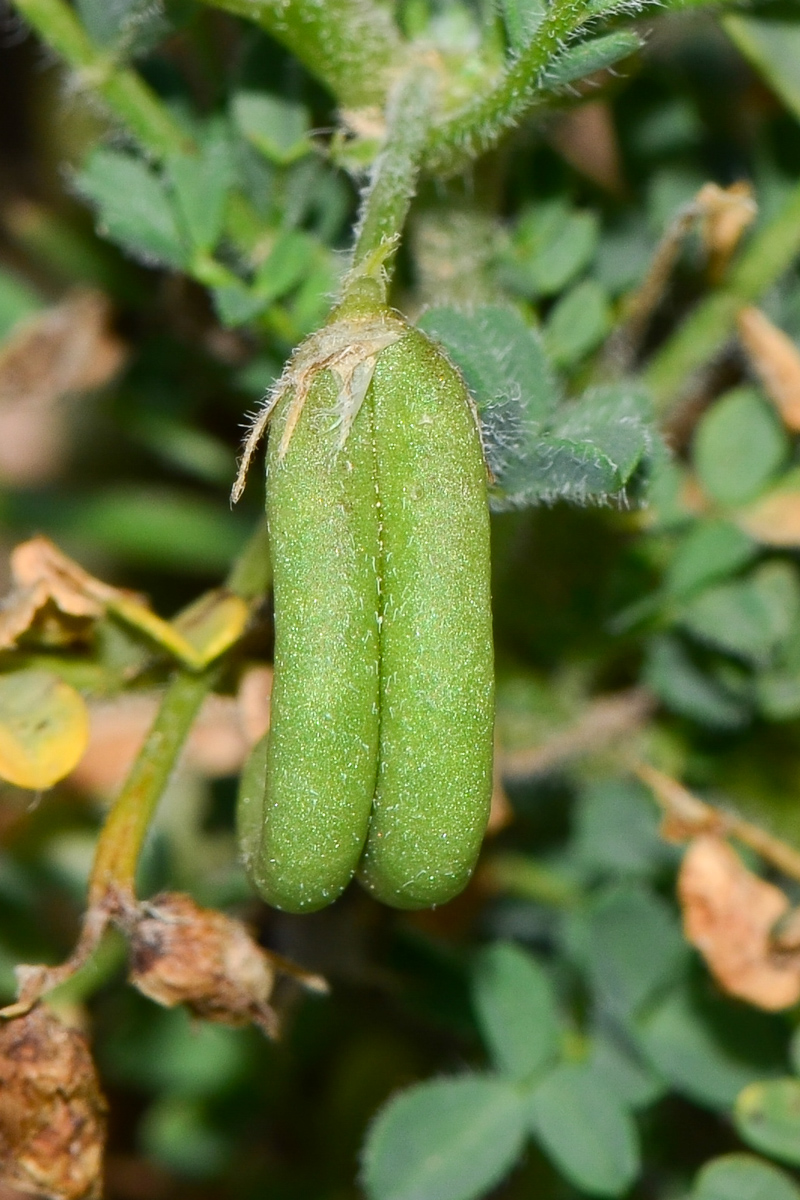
(65, 349)
(52, 1113)
(776, 360)
(586, 138)
(728, 915)
(774, 520)
(52, 596)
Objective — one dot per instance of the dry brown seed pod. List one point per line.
(52, 1112)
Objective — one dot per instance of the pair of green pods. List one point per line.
(379, 756)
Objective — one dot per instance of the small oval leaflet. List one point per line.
(44, 728)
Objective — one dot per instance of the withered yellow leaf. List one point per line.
(44, 728)
(213, 622)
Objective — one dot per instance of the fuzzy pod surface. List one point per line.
(304, 804)
(434, 780)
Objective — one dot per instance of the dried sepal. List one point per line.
(348, 347)
(52, 1113)
(184, 954)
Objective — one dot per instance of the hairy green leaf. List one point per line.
(516, 1010)
(585, 1129)
(448, 1139)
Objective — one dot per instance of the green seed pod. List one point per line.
(437, 692)
(383, 688)
(303, 831)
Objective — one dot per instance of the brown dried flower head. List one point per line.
(184, 954)
(52, 1113)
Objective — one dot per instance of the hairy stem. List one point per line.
(128, 97)
(708, 327)
(393, 181)
(351, 46)
(477, 126)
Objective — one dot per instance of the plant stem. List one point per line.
(393, 180)
(128, 97)
(707, 328)
(477, 126)
(687, 817)
(123, 834)
(351, 46)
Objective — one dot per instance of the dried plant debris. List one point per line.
(52, 597)
(725, 214)
(184, 954)
(52, 1113)
(65, 349)
(775, 358)
(729, 915)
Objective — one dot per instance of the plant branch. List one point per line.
(125, 93)
(352, 46)
(393, 180)
(706, 330)
(686, 816)
(476, 127)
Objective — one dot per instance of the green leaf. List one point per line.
(201, 183)
(133, 207)
(615, 420)
(587, 455)
(286, 265)
(794, 1051)
(551, 245)
(236, 306)
(277, 127)
(500, 357)
(577, 324)
(743, 1177)
(447, 1139)
(632, 947)
(767, 1117)
(738, 447)
(522, 18)
(773, 47)
(687, 690)
(576, 62)
(750, 617)
(585, 1129)
(711, 550)
(709, 1049)
(616, 828)
(622, 1070)
(516, 1010)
